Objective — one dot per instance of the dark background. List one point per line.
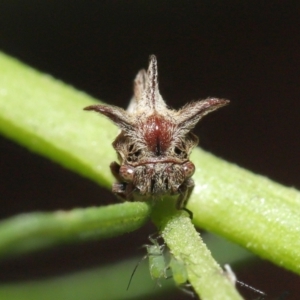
(246, 51)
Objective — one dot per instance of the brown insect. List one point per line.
(155, 142)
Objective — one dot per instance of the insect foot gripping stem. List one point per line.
(155, 142)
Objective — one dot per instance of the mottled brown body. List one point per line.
(155, 142)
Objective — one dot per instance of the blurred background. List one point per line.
(245, 51)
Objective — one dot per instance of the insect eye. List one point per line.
(137, 153)
(133, 154)
(180, 153)
(132, 157)
(126, 172)
(177, 151)
(188, 169)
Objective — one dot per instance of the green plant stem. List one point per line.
(30, 232)
(93, 284)
(86, 284)
(46, 116)
(251, 210)
(185, 243)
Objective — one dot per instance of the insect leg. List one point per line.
(122, 189)
(185, 192)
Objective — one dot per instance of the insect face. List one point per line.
(155, 142)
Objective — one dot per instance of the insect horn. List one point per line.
(151, 98)
(193, 112)
(140, 84)
(118, 115)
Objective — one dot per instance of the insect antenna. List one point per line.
(251, 288)
(232, 278)
(134, 270)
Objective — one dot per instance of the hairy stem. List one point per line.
(30, 232)
(184, 242)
